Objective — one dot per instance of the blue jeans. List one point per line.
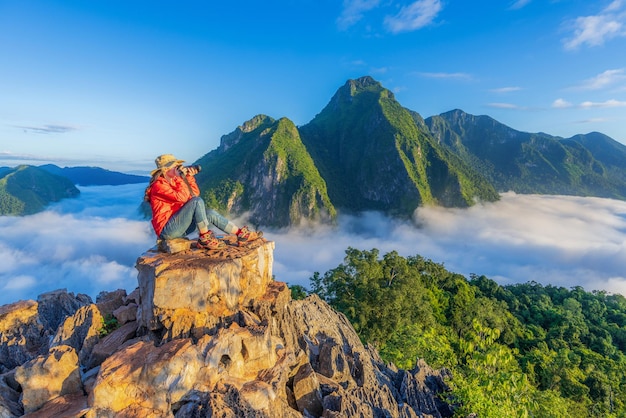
(194, 215)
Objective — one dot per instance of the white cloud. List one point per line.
(559, 240)
(19, 283)
(593, 120)
(604, 80)
(564, 104)
(353, 11)
(442, 75)
(595, 30)
(49, 129)
(504, 106)
(85, 245)
(414, 16)
(519, 4)
(615, 6)
(561, 104)
(91, 243)
(608, 103)
(502, 90)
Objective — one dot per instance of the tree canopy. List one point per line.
(523, 350)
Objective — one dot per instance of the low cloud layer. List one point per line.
(90, 244)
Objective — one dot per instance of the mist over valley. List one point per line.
(90, 244)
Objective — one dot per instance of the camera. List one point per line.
(197, 167)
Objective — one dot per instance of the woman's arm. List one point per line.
(176, 192)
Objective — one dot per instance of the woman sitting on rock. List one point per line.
(178, 209)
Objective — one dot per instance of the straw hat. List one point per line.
(165, 162)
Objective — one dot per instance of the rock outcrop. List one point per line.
(204, 334)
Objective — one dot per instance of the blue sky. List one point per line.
(115, 83)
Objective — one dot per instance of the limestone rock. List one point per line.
(22, 337)
(81, 331)
(27, 326)
(214, 335)
(9, 401)
(306, 390)
(55, 306)
(173, 246)
(111, 343)
(48, 377)
(73, 405)
(109, 301)
(184, 294)
(144, 378)
(126, 313)
(420, 387)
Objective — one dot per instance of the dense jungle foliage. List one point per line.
(523, 350)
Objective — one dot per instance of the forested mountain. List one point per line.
(584, 165)
(263, 168)
(523, 350)
(375, 155)
(94, 176)
(371, 153)
(364, 151)
(25, 190)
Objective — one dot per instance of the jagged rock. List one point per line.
(143, 378)
(420, 387)
(162, 375)
(133, 297)
(26, 327)
(214, 336)
(9, 401)
(111, 343)
(306, 390)
(80, 331)
(173, 246)
(183, 295)
(126, 313)
(55, 306)
(22, 337)
(47, 377)
(73, 405)
(108, 302)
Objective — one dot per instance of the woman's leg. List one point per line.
(185, 221)
(221, 222)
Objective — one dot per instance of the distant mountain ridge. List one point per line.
(364, 151)
(94, 176)
(368, 152)
(584, 165)
(25, 190)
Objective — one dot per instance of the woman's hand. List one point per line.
(189, 171)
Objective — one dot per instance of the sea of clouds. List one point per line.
(91, 243)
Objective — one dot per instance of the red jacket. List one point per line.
(167, 197)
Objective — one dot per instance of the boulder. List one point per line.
(126, 313)
(47, 377)
(22, 337)
(9, 401)
(108, 302)
(81, 331)
(57, 305)
(182, 295)
(111, 343)
(214, 335)
(73, 405)
(143, 378)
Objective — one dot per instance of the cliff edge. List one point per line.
(204, 334)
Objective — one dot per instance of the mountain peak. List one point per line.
(364, 82)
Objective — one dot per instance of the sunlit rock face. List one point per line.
(186, 293)
(206, 334)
